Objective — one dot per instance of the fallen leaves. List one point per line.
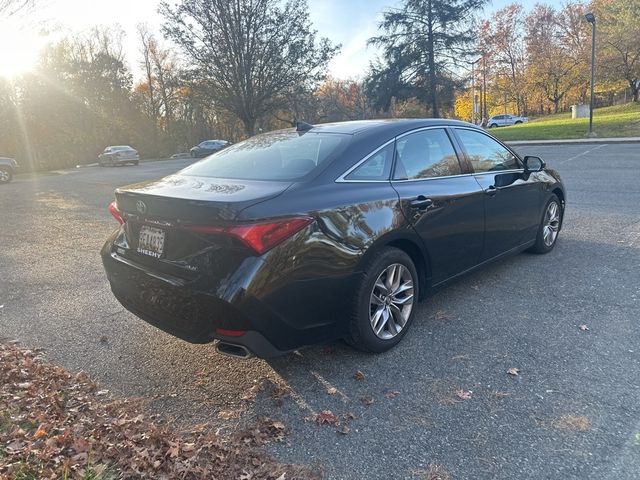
(576, 423)
(443, 315)
(366, 400)
(359, 375)
(464, 394)
(40, 432)
(434, 471)
(59, 425)
(392, 394)
(584, 328)
(340, 423)
(326, 417)
(513, 371)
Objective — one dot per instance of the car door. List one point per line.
(443, 203)
(511, 197)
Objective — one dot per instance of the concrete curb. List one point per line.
(575, 141)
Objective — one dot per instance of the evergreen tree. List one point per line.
(422, 41)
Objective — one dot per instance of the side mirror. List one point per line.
(533, 164)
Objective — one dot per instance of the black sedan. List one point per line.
(208, 147)
(334, 231)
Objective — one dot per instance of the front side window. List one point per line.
(273, 156)
(426, 154)
(376, 167)
(485, 154)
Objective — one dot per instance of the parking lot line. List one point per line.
(583, 153)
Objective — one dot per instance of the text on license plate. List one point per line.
(151, 241)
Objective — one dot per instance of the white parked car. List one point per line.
(505, 120)
(116, 155)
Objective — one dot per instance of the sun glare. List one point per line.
(19, 50)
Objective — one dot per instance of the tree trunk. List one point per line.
(432, 64)
(249, 126)
(635, 89)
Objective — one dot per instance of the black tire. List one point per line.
(518, 122)
(493, 125)
(135, 164)
(361, 334)
(6, 174)
(541, 246)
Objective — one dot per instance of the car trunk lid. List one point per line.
(186, 199)
(176, 224)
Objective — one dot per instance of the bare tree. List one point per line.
(147, 40)
(249, 53)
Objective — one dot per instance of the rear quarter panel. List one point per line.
(314, 275)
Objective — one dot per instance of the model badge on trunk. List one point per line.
(141, 207)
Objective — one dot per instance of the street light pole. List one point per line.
(592, 20)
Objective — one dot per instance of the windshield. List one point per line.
(272, 156)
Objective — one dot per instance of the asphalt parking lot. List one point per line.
(442, 397)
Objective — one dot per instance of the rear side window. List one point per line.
(485, 154)
(376, 167)
(426, 154)
(282, 156)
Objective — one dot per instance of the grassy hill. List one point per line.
(616, 121)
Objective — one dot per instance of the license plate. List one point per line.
(151, 241)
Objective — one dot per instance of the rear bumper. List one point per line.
(130, 159)
(273, 322)
(201, 332)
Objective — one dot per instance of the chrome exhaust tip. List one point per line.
(233, 350)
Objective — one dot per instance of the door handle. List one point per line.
(421, 203)
(491, 190)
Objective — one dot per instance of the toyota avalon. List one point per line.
(323, 232)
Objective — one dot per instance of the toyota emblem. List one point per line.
(141, 207)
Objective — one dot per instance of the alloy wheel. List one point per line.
(4, 176)
(551, 224)
(391, 301)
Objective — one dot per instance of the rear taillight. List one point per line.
(260, 237)
(117, 214)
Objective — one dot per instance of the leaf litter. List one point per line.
(54, 424)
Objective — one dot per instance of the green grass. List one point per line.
(616, 121)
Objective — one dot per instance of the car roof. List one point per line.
(392, 126)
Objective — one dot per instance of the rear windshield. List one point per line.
(272, 156)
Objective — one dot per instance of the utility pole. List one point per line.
(484, 87)
(592, 20)
(474, 104)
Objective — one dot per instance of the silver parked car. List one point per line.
(8, 167)
(505, 120)
(116, 155)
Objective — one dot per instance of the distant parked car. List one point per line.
(208, 147)
(116, 155)
(505, 120)
(8, 167)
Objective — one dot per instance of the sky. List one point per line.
(347, 22)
